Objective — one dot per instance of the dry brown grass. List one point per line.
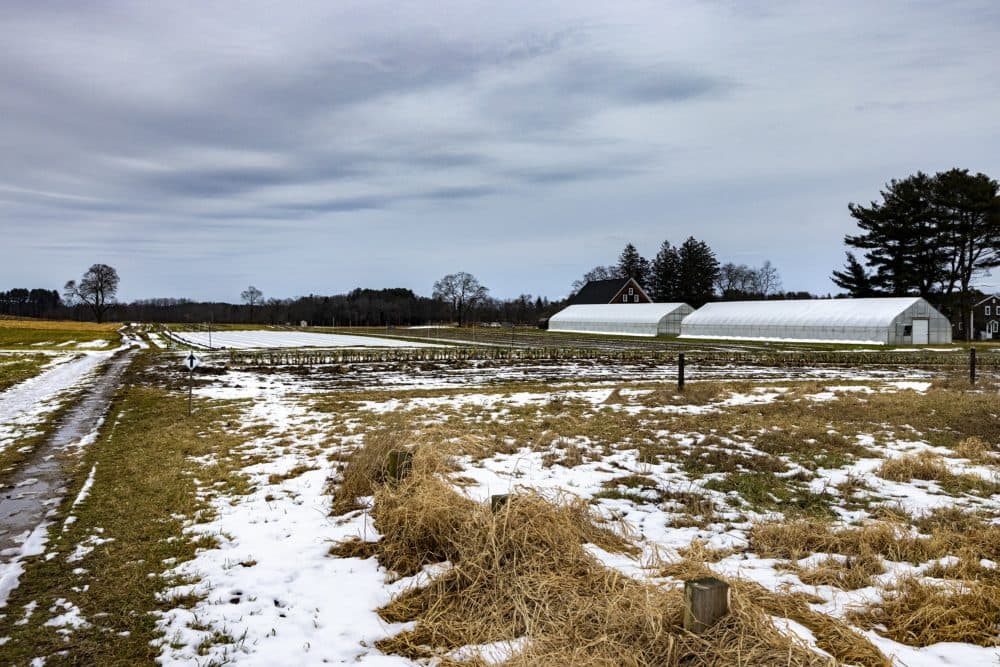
(800, 538)
(524, 572)
(849, 573)
(929, 466)
(366, 468)
(976, 449)
(921, 613)
(832, 635)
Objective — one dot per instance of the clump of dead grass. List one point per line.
(366, 468)
(930, 466)
(524, 572)
(832, 635)
(921, 613)
(797, 539)
(975, 449)
(849, 574)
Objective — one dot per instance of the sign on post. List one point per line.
(191, 362)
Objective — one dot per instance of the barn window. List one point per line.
(625, 298)
(636, 298)
(631, 291)
(908, 330)
(987, 311)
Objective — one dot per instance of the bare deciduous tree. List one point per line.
(251, 296)
(96, 290)
(461, 291)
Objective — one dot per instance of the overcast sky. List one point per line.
(317, 146)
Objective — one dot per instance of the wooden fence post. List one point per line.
(399, 465)
(498, 502)
(972, 365)
(706, 600)
(680, 372)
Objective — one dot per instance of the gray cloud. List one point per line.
(326, 145)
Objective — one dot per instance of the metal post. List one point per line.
(972, 365)
(190, 389)
(680, 372)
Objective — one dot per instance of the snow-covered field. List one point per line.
(297, 605)
(244, 340)
(704, 468)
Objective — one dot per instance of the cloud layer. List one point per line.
(200, 146)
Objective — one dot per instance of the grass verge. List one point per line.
(146, 483)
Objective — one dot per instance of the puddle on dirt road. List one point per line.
(34, 490)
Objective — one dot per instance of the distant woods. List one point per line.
(691, 273)
(930, 236)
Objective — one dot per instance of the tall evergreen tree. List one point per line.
(698, 272)
(968, 210)
(854, 278)
(902, 237)
(664, 274)
(633, 265)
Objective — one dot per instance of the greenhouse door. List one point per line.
(920, 332)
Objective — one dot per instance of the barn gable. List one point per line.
(615, 290)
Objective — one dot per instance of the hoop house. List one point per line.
(624, 319)
(888, 321)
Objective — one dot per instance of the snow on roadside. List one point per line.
(26, 405)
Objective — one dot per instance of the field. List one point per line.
(56, 335)
(853, 509)
(243, 340)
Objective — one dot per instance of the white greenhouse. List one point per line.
(883, 321)
(623, 319)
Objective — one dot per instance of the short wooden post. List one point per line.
(399, 465)
(972, 365)
(499, 501)
(706, 600)
(680, 372)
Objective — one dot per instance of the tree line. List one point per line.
(929, 236)
(690, 272)
(456, 296)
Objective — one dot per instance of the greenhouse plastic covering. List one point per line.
(629, 319)
(876, 320)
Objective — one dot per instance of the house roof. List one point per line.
(986, 298)
(601, 291)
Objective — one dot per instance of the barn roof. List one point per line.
(600, 291)
(986, 298)
(644, 313)
(874, 312)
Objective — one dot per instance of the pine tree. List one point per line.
(698, 272)
(902, 237)
(664, 274)
(854, 278)
(633, 265)
(968, 211)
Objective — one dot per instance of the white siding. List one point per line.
(880, 321)
(624, 319)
